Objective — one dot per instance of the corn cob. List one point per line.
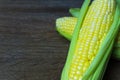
(91, 35)
(87, 43)
(66, 25)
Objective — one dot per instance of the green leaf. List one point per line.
(74, 12)
(74, 39)
(98, 75)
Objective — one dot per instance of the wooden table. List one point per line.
(30, 47)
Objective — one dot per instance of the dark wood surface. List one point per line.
(30, 47)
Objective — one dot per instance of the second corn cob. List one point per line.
(66, 25)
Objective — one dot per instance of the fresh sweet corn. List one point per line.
(66, 25)
(89, 41)
(94, 29)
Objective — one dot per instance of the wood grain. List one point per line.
(30, 47)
